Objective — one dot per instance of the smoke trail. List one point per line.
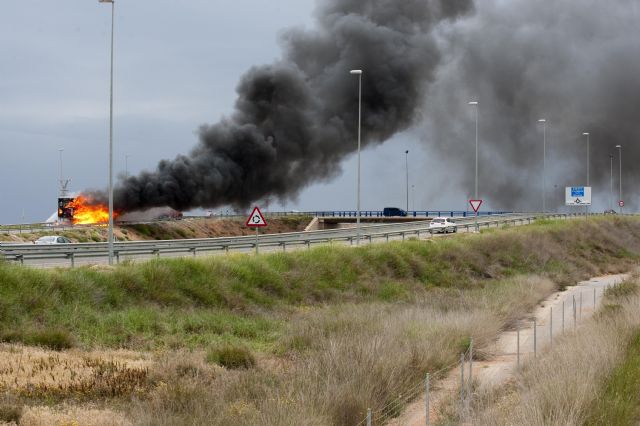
(574, 63)
(296, 120)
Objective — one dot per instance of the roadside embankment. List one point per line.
(310, 337)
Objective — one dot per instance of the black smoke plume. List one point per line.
(575, 63)
(296, 120)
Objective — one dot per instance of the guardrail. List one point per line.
(54, 226)
(72, 252)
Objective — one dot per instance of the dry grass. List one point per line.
(72, 416)
(34, 372)
(561, 386)
(339, 360)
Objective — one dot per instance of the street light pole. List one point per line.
(406, 163)
(544, 164)
(60, 150)
(475, 103)
(611, 181)
(110, 231)
(413, 197)
(620, 169)
(359, 74)
(587, 135)
(475, 194)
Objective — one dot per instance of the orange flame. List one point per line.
(87, 211)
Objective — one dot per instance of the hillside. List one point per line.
(166, 230)
(310, 337)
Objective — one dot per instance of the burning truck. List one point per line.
(85, 210)
(82, 210)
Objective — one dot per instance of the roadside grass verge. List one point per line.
(580, 380)
(619, 404)
(336, 361)
(163, 303)
(318, 335)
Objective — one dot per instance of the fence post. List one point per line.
(461, 386)
(368, 416)
(551, 326)
(470, 381)
(284, 246)
(518, 348)
(574, 311)
(426, 393)
(535, 337)
(580, 316)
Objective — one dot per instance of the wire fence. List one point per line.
(531, 337)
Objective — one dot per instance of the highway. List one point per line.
(70, 255)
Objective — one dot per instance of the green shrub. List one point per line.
(233, 357)
(55, 339)
(10, 413)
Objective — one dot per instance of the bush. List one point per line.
(233, 357)
(10, 413)
(49, 338)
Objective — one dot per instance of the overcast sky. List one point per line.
(176, 67)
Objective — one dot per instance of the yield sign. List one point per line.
(256, 219)
(475, 204)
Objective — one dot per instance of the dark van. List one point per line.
(393, 211)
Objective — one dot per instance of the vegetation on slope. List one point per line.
(318, 335)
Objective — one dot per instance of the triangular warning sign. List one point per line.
(475, 205)
(256, 219)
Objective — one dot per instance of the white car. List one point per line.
(442, 225)
(52, 239)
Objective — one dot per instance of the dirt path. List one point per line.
(503, 363)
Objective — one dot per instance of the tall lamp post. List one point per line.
(544, 164)
(611, 181)
(476, 105)
(587, 135)
(359, 74)
(110, 232)
(620, 180)
(406, 163)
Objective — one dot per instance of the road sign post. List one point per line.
(475, 205)
(256, 220)
(578, 196)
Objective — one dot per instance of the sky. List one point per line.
(177, 66)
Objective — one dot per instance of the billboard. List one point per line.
(578, 195)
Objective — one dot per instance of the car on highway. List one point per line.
(52, 239)
(442, 225)
(610, 211)
(393, 211)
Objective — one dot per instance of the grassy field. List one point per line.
(308, 337)
(589, 377)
